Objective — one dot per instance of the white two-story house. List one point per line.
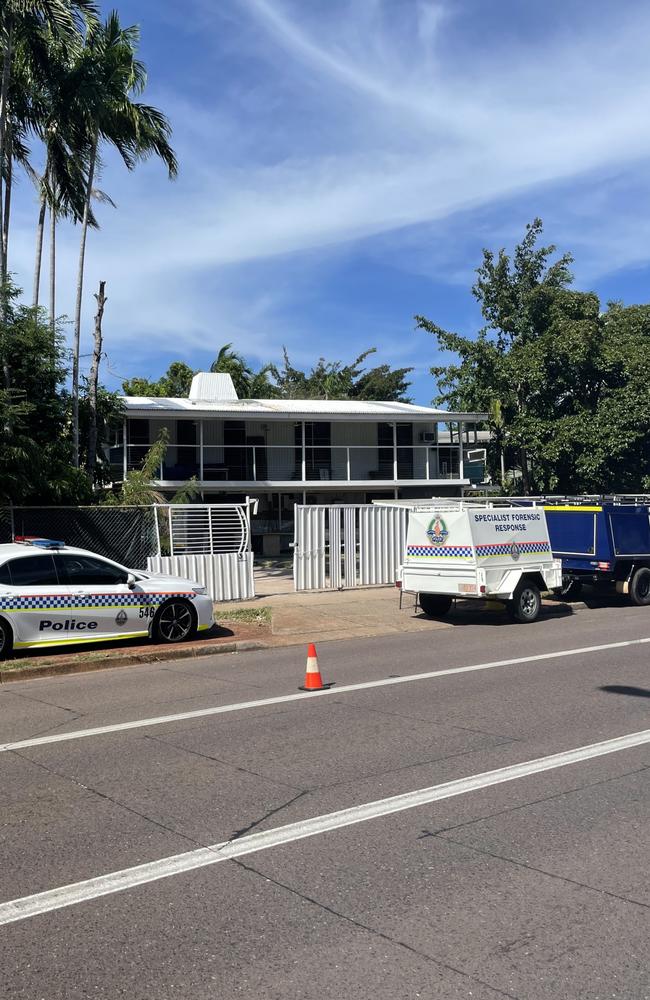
(287, 451)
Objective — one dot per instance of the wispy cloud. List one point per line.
(306, 130)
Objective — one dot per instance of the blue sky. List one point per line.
(343, 162)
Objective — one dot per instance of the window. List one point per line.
(86, 570)
(5, 575)
(138, 431)
(33, 571)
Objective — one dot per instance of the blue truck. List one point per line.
(602, 541)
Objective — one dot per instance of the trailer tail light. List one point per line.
(482, 589)
(604, 565)
(398, 584)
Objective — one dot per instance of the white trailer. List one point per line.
(475, 550)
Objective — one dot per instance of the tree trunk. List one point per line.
(77, 312)
(40, 231)
(53, 272)
(93, 381)
(4, 97)
(7, 204)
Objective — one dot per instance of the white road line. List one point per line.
(128, 878)
(161, 720)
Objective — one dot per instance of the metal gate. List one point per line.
(347, 545)
(210, 543)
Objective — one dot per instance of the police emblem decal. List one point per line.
(437, 531)
(515, 551)
(121, 618)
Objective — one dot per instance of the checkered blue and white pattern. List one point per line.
(50, 602)
(440, 551)
(503, 548)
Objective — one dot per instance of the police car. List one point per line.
(52, 594)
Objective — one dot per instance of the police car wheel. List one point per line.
(6, 640)
(640, 587)
(174, 622)
(434, 605)
(526, 603)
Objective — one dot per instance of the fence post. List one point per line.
(155, 514)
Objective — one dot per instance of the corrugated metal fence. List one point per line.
(347, 545)
(208, 542)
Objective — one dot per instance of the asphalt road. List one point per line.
(532, 883)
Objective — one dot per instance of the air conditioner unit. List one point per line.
(476, 455)
(427, 436)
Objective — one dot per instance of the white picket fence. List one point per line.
(347, 545)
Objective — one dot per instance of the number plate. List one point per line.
(467, 588)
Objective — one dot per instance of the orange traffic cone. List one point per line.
(313, 679)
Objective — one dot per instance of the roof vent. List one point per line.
(213, 386)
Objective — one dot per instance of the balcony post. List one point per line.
(395, 451)
(125, 466)
(304, 457)
(201, 450)
(347, 450)
(461, 465)
(254, 464)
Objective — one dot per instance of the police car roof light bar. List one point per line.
(41, 543)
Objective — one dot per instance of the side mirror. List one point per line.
(130, 581)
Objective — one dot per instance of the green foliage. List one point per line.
(139, 490)
(566, 387)
(110, 416)
(334, 380)
(326, 380)
(248, 384)
(175, 383)
(34, 415)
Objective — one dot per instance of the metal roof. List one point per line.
(279, 409)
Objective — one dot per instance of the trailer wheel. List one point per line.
(640, 586)
(526, 603)
(434, 605)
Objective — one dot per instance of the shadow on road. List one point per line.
(635, 692)
(479, 613)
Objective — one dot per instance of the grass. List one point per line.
(244, 616)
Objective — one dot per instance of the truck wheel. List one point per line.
(526, 603)
(434, 605)
(640, 586)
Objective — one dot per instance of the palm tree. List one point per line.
(24, 23)
(248, 384)
(112, 76)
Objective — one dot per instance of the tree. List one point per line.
(565, 384)
(24, 26)
(174, 384)
(110, 77)
(248, 384)
(334, 380)
(34, 415)
(139, 487)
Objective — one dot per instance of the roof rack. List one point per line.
(41, 543)
(585, 499)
